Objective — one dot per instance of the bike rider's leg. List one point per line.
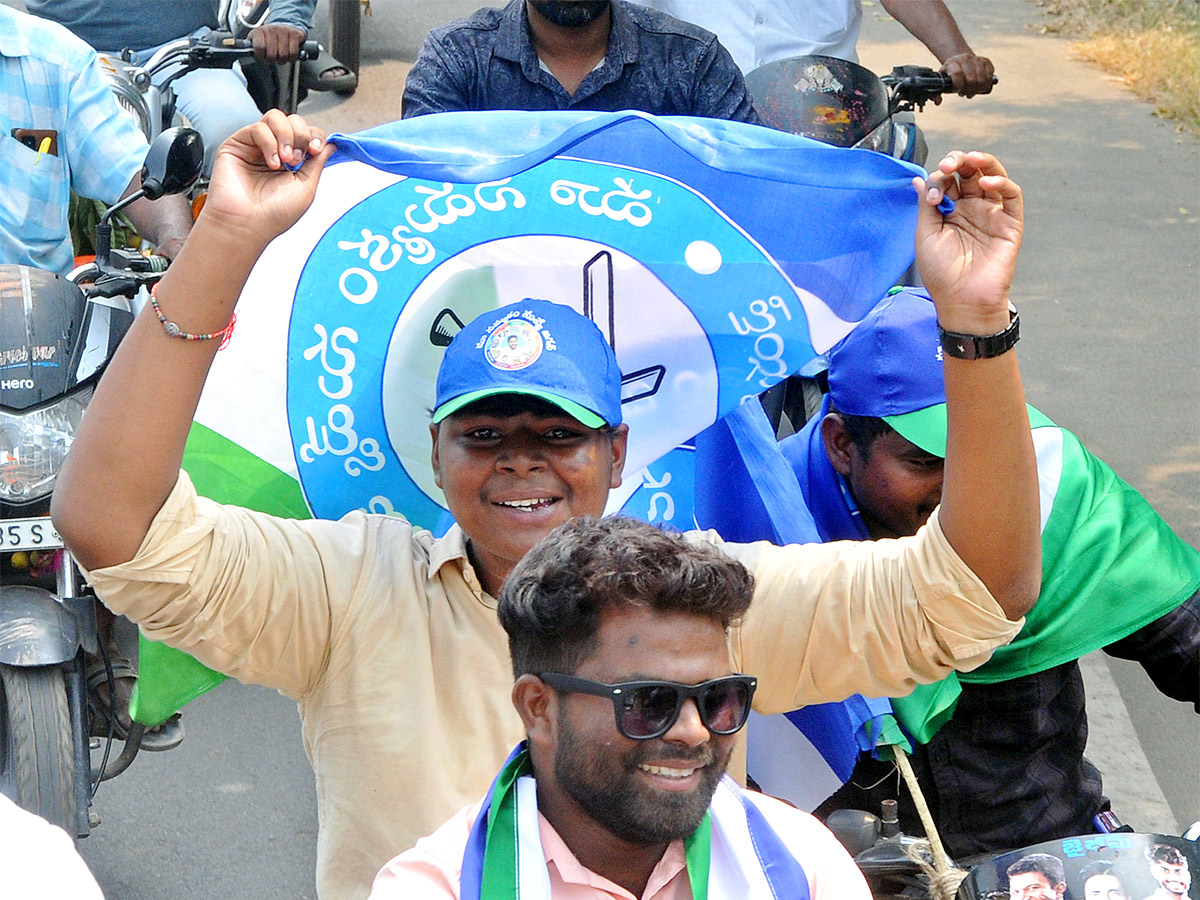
(101, 702)
(214, 101)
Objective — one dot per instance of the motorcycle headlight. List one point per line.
(878, 139)
(34, 444)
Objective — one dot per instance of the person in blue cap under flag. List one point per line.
(1007, 769)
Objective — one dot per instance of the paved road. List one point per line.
(1108, 295)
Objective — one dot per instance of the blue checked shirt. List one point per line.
(50, 81)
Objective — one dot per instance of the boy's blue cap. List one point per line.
(538, 348)
(890, 367)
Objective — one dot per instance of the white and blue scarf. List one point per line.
(733, 853)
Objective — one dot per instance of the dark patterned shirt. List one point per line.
(1008, 769)
(655, 63)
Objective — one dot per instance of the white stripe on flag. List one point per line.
(1048, 445)
(533, 877)
(785, 763)
(257, 354)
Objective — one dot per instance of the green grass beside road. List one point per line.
(1152, 45)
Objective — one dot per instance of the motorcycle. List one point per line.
(901, 867)
(842, 103)
(145, 90)
(58, 334)
(1119, 859)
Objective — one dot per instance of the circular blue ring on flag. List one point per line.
(698, 314)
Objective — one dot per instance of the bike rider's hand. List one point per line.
(253, 189)
(971, 74)
(277, 43)
(967, 258)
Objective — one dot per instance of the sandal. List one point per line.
(317, 75)
(166, 736)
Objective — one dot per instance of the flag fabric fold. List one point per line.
(746, 491)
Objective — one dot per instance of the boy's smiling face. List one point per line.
(511, 478)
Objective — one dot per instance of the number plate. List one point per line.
(28, 534)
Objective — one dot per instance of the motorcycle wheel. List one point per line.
(38, 763)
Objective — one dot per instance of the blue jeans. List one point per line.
(214, 101)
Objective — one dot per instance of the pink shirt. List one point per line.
(432, 868)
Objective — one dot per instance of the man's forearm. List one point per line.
(931, 23)
(297, 13)
(990, 500)
(967, 257)
(165, 222)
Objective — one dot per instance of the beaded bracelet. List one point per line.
(174, 330)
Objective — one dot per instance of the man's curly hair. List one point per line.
(552, 602)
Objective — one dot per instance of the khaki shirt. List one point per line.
(384, 636)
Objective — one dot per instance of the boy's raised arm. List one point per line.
(989, 509)
(127, 454)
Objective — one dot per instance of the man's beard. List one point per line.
(617, 801)
(571, 13)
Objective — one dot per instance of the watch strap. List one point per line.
(976, 346)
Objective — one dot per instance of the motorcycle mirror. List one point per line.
(173, 163)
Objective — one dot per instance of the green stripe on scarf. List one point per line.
(698, 853)
(500, 870)
(501, 878)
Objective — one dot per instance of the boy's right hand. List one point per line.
(253, 191)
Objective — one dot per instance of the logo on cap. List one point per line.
(514, 342)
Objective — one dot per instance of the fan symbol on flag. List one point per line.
(637, 385)
(444, 328)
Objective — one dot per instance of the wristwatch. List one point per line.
(975, 346)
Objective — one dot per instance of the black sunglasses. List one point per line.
(647, 709)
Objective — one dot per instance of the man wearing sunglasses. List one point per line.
(387, 636)
(618, 634)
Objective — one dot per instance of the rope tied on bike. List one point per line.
(944, 878)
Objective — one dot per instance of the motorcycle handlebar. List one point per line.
(220, 49)
(215, 50)
(914, 86)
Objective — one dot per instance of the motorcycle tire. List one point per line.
(37, 765)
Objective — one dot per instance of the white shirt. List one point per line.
(38, 861)
(756, 32)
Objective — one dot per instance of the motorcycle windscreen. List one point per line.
(51, 337)
(830, 100)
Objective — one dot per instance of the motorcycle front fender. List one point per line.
(37, 629)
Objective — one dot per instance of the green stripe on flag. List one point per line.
(501, 870)
(222, 470)
(1110, 565)
(923, 711)
(228, 473)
